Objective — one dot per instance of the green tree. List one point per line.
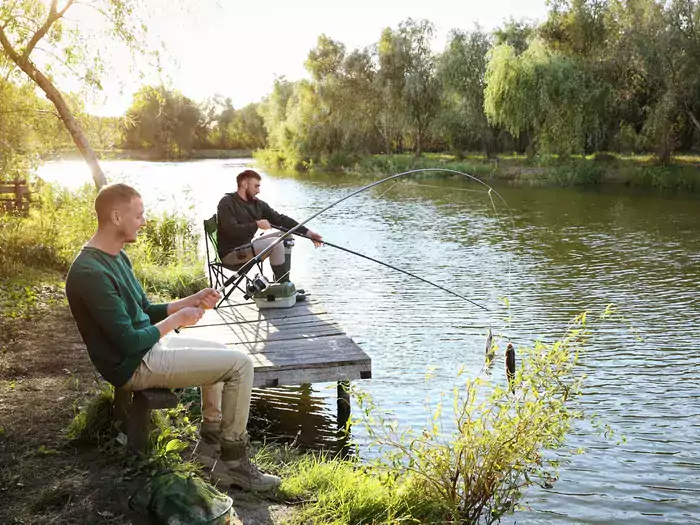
(461, 73)
(515, 33)
(38, 39)
(273, 110)
(407, 78)
(165, 120)
(540, 90)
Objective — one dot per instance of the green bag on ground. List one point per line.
(176, 498)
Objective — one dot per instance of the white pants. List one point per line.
(225, 375)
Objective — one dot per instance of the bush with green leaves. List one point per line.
(486, 443)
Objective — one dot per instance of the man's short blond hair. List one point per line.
(110, 197)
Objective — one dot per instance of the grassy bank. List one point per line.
(38, 248)
(683, 174)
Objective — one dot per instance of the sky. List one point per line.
(236, 48)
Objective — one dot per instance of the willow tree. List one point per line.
(39, 40)
(541, 91)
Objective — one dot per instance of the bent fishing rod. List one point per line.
(358, 254)
(240, 274)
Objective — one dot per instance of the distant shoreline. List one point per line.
(152, 155)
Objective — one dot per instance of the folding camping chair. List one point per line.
(217, 270)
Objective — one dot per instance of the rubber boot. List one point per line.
(281, 271)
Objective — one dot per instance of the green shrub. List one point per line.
(471, 465)
(575, 173)
(669, 177)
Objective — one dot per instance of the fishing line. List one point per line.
(352, 252)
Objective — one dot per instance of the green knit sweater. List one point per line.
(112, 312)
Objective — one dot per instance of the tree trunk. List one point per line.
(693, 118)
(64, 112)
(419, 142)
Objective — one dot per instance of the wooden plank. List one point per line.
(236, 334)
(315, 375)
(218, 320)
(250, 312)
(330, 345)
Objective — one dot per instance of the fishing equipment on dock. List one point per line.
(277, 295)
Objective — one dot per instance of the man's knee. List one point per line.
(241, 365)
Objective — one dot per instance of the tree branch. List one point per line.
(54, 15)
(61, 61)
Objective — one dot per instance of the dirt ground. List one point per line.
(45, 375)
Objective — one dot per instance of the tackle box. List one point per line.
(277, 295)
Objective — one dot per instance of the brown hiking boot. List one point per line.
(208, 447)
(235, 469)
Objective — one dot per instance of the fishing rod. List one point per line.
(352, 252)
(239, 275)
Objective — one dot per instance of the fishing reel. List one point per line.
(257, 284)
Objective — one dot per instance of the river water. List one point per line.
(558, 252)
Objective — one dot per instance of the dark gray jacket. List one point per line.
(237, 218)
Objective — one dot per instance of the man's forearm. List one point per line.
(176, 306)
(168, 324)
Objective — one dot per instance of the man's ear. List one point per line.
(116, 216)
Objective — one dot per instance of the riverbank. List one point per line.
(683, 174)
(319, 488)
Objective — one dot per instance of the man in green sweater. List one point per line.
(128, 340)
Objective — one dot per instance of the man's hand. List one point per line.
(315, 238)
(207, 298)
(263, 224)
(189, 316)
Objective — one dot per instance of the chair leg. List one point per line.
(233, 286)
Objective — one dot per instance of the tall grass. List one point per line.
(61, 221)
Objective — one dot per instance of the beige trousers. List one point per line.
(225, 375)
(245, 253)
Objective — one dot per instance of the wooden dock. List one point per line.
(289, 346)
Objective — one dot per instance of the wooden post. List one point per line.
(139, 423)
(122, 405)
(343, 404)
(134, 412)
